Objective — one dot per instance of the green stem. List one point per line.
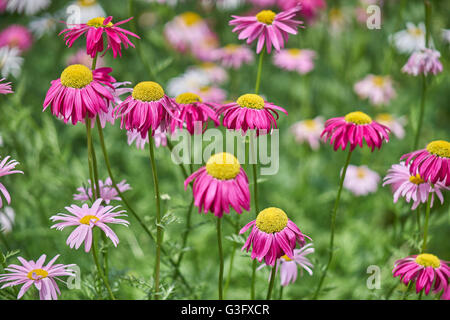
(272, 281)
(99, 268)
(280, 297)
(230, 268)
(427, 5)
(425, 226)
(258, 76)
(5, 242)
(405, 294)
(90, 161)
(183, 169)
(255, 200)
(422, 111)
(186, 232)
(333, 225)
(219, 242)
(159, 229)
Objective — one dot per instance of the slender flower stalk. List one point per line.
(425, 226)
(333, 224)
(99, 268)
(219, 242)
(272, 281)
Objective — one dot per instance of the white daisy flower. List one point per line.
(10, 61)
(7, 216)
(28, 7)
(446, 35)
(411, 39)
(42, 25)
(191, 81)
(89, 9)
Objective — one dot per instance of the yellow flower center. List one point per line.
(358, 117)
(271, 220)
(87, 219)
(190, 18)
(440, 148)
(86, 3)
(378, 81)
(37, 274)
(335, 15)
(266, 16)
(76, 76)
(416, 179)
(231, 47)
(384, 117)
(417, 32)
(148, 91)
(98, 22)
(286, 258)
(428, 260)
(294, 52)
(360, 173)
(250, 100)
(188, 98)
(223, 166)
(310, 124)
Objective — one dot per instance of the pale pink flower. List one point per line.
(378, 89)
(211, 94)
(16, 36)
(81, 57)
(309, 131)
(6, 169)
(5, 87)
(159, 137)
(107, 191)
(395, 124)
(423, 62)
(215, 73)
(233, 55)
(300, 60)
(361, 180)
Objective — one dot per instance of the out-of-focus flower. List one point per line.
(190, 81)
(308, 131)
(268, 28)
(263, 3)
(309, 8)
(233, 55)
(5, 87)
(172, 3)
(273, 235)
(424, 61)
(159, 137)
(41, 26)
(79, 92)
(7, 217)
(393, 123)
(219, 185)
(337, 20)
(250, 112)
(300, 60)
(3, 4)
(204, 49)
(89, 9)
(216, 74)
(411, 187)
(107, 191)
(16, 36)
(211, 94)
(361, 180)
(6, 168)
(431, 163)
(86, 219)
(354, 128)
(81, 57)
(446, 35)
(411, 39)
(425, 270)
(43, 277)
(28, 7)
(228, 4)
(10, 62)
(378, 89)
(94, 30)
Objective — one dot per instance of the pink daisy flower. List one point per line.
(147, 108)
(411, 187)
(107, 191)
(423, 62)
(395, 124)
(300, 60)
(431, 163)
(377, 89)
(250, 112)
(94, 29)
(309, 8)
(354, 128)
(80, 92)
(234, 56)
(272, 236)
(425, 270)
(193, 113)
(308, 131)
(43, 277)
(86, 219)
(219, 185)
(16, 36)
(6, 169)
(361, 180)
(5, 87)
(269, 28)
(159, 137)
(211, 94)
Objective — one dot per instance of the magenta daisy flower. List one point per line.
(86, 219)
(94, 29)
(43, 277)
(6, 169)
(272, 236)
(412, 187)
(80, 92)
(270, 28)
(16, 36)
(250, 112)
(5, 87)
(431, 163)
(425, 270)
(354, 128)
(219, 185)
(146, 108)
(107, 191)
(192, 110)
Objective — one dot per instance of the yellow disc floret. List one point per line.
(76, 76)
(358, 117)
(87, 219)
(440, 148)
(294, 52)
(384, 117)
(223, 166)
(188, 98)
(86, 3)
(271, 220)
(266, 16)
(428, 260)
(190, 18)
(378, 81)
(37, 274)
(416, 179)
(98, 22)
(286, 258)
(148, 91)
(250, 100)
